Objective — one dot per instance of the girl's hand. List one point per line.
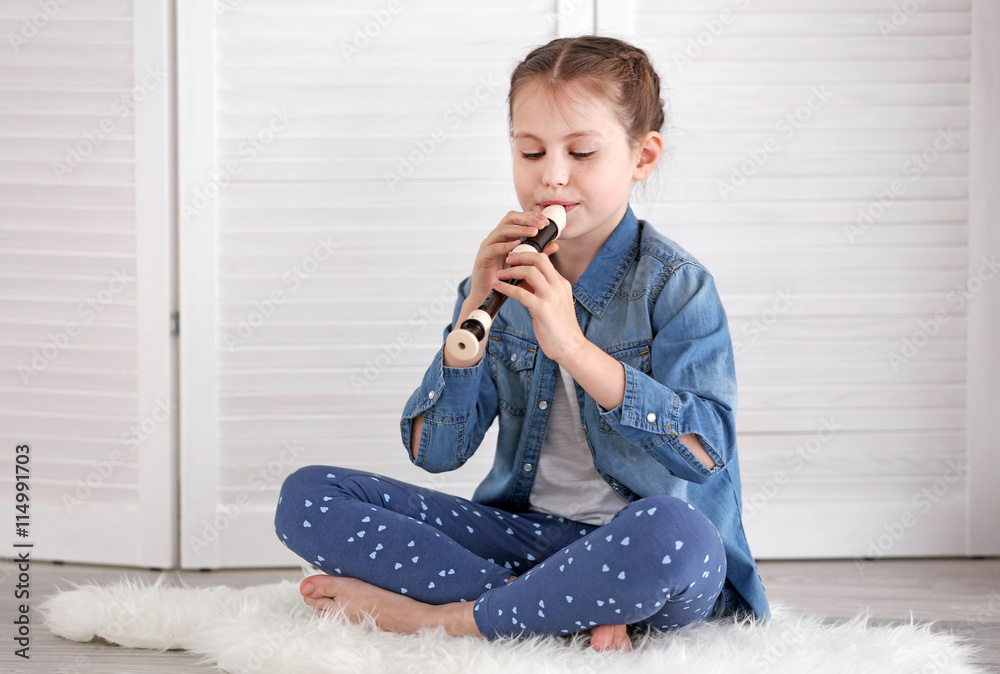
(494, 249)
(548, 297)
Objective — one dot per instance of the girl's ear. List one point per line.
(650, 150)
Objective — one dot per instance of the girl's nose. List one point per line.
(555, 173)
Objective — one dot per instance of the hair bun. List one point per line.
(633, 59)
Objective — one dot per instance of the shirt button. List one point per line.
(650, 417)
(431, 395)
(513, 357)
(584, 426)
(614, 485)
(543, 405)
(528, 467)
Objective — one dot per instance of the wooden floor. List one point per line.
(961, 596)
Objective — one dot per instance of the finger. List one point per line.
(499, 250)
(526, 257)
(539, 261)
(518, 292)
(531, 218)
(514, 227)
(516, 223)
(503, 240)
(525, 273)
(550, 249)
(518, 230)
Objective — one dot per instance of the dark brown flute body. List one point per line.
(494, 300)
(465, 342)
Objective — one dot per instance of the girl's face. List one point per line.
(570, 148)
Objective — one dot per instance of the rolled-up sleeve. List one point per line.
(692, 384)
(458, 405)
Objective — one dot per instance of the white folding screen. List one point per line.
(819, 165)
(820, 168)
(86, 199)
(324, 148)
(339, 165)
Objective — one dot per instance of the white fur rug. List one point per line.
(268, 629)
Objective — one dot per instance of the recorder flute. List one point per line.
(465, 342)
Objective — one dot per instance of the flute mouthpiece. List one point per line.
(557, 214)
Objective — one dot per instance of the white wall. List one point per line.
(87, 362)
(314, 287)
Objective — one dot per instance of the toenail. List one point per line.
(307, 588)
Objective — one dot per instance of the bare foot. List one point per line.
(392, 612)
(610, 638)
(397, 613)
(605, 637)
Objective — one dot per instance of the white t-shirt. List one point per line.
(567, 484)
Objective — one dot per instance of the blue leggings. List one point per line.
(659, 563)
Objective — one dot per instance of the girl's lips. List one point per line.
(565, 204)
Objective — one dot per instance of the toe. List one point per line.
(322, 604)
(622, 641)
(600, 637)
(309, 585)
(610, 638)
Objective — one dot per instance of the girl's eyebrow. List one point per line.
(577, 134)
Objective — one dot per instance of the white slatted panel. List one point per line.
(816, 307)
(85, 355)
(362, 269)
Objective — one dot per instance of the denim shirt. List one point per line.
(649, 304)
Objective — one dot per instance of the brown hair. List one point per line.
(615, 70)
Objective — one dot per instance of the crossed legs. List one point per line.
(414, 557)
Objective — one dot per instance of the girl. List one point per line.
(614, 497)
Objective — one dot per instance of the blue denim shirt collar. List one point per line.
(599, 282)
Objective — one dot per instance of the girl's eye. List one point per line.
(539, 155)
